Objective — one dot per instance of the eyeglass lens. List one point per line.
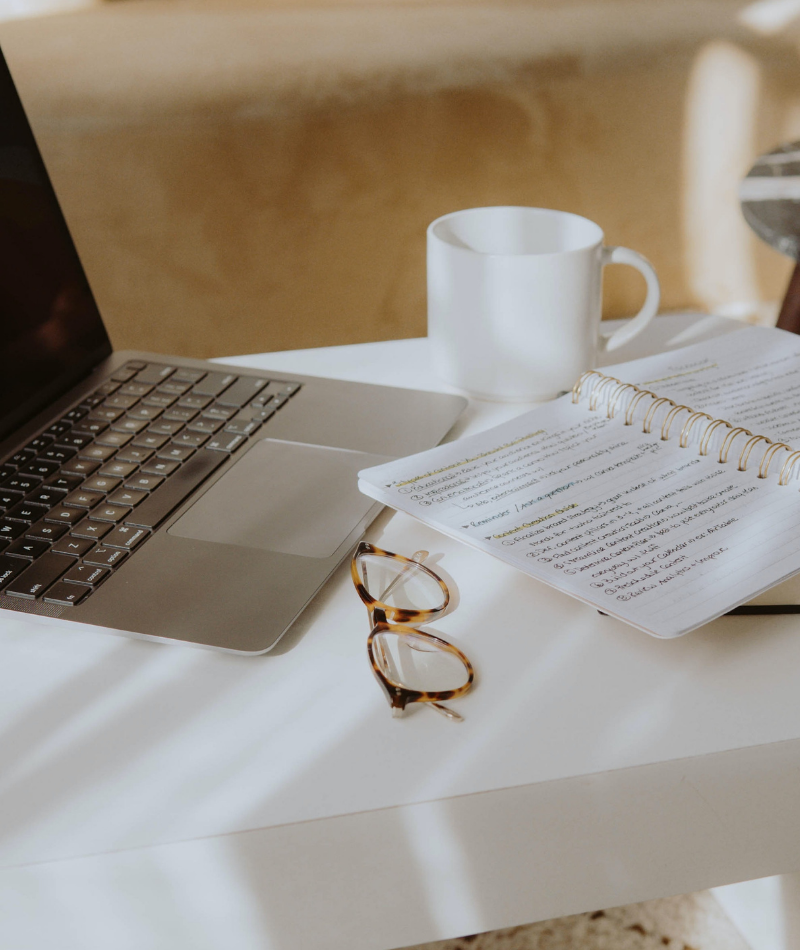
(418, 663)
(399, 584)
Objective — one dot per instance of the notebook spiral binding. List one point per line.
(613, 389)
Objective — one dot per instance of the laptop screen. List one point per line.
(51, 332)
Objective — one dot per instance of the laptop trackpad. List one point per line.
(283, 496)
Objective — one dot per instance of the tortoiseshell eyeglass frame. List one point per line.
(387, 619)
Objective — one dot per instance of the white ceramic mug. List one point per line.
(514, 300)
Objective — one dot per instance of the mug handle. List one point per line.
(624, 255)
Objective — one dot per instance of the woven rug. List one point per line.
(689, 922)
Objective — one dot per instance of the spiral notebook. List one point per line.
(664, 491)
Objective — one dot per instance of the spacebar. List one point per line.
(178, 486)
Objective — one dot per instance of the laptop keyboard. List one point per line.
(86, 493)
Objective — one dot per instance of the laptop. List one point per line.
(167, 498)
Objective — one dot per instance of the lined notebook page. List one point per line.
(750, 378)
(652, 533)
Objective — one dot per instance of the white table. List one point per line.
(164, 797)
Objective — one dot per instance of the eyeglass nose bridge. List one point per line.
(377, 615)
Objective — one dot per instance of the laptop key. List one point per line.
(44, 531)
(83, 499)
(46, 497)
(76, 547)
(24, 511)
(63, 482)
(114, 438)
(91, 401)
(98, 453)
(113, 513)
(11, 530)
(118, 469)
(174, 388)
(158, 466)
(127, 496)
(20, 459)
(87, 574)
(243, 426)
(209, 426)
(57, 454)
(102, 483)
(26, 548)
(106, 414)
(135, 454)
(164, 427)
(74, 439)
(160, 400)
(121, 400)
(123, 374)
(193, 439)
(74, 414)
(91, 530)
(130, 425)
(144, 413)
(225, 442)
(193, 401)
(22, 484)
(10, 567)
(40, 442)
(219, 412)
(105, 557)
(136, 389)
(36, 578)
(244, 390)
(156, 508)
(180, 414)
(144, 482)
(154, 373)
(89, 427)
(185, 375)
(63, 515)
(150, 440)
(82, 467)
(125, 536)
(40, 468)
(213, 384)
(57, 428)
(174, 452)
(68, 595)
(259, 414)
(9, 498)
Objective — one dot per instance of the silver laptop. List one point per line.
(168, 498)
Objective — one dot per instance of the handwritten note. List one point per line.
(647, 530)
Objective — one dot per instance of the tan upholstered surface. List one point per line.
(250, 176)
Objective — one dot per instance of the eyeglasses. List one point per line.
(410, 665)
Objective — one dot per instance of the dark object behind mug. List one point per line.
(770, 198)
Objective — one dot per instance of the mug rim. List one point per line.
(544, 212)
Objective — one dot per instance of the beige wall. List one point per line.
(262, 179)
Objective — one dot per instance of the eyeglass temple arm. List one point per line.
(417, 557)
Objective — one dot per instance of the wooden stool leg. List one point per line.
(789, 317)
